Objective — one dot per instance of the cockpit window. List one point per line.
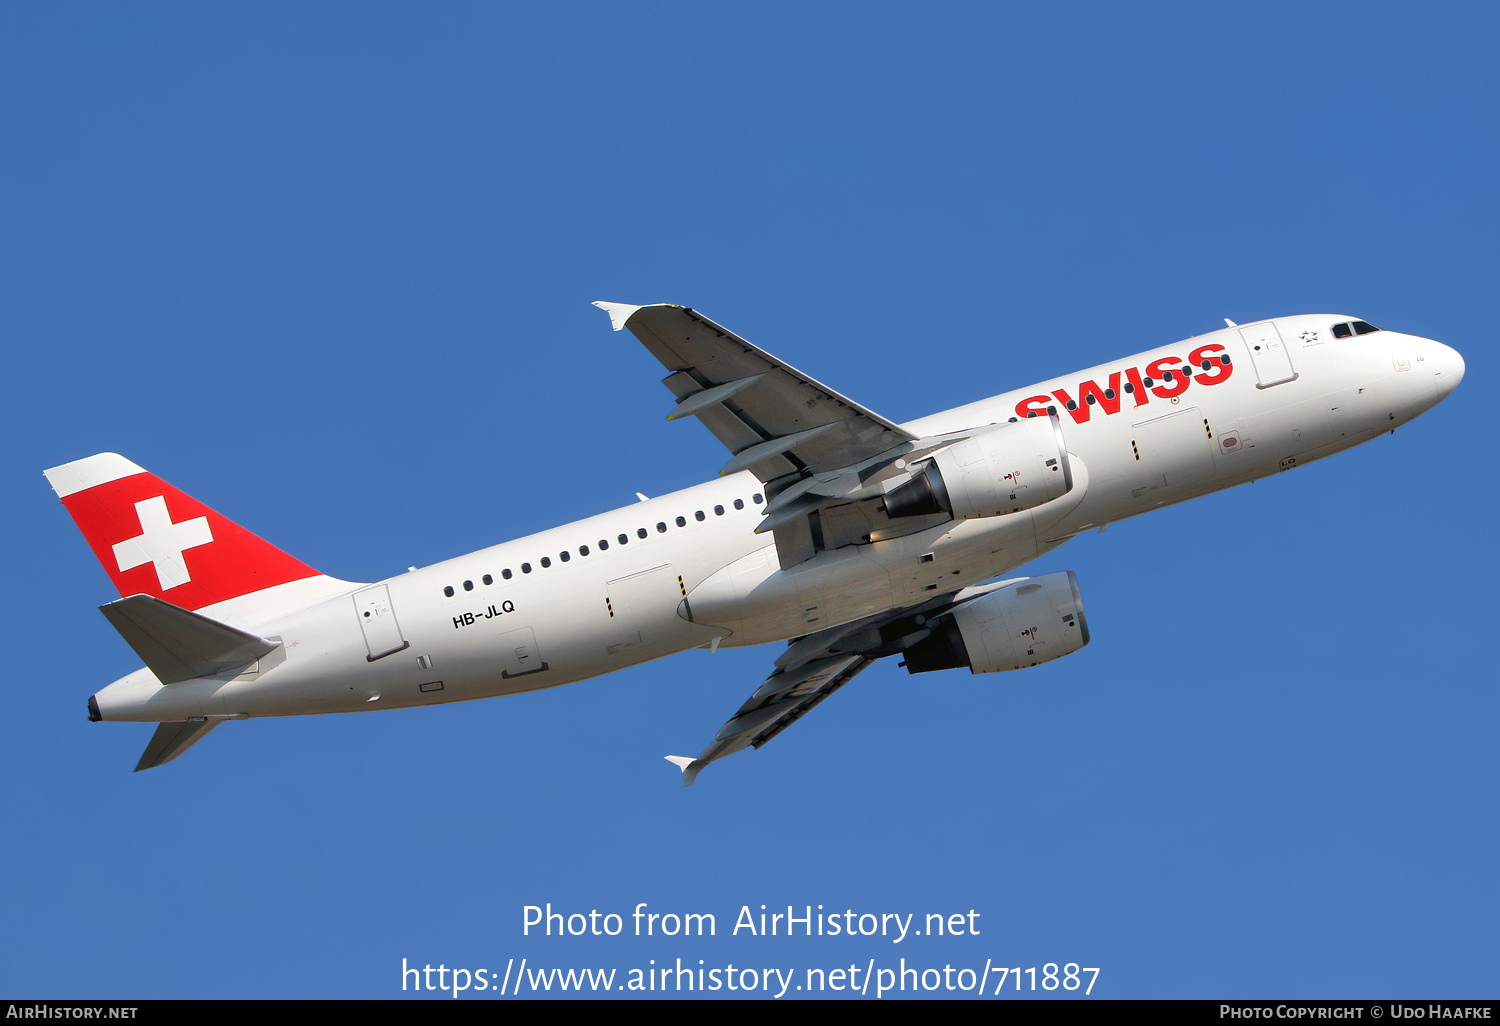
(1349, 328)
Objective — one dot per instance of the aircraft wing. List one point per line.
(774, 419)
(815, 666)
(778, 703)
(821, 456)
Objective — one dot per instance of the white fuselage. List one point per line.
(694, 552)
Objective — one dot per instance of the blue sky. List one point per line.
(296, 260)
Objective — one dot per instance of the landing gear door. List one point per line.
(378, 622)
(1272, 360)
(643, 608)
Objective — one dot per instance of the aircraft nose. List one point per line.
(1447, 368)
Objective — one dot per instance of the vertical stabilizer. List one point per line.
(153, 539)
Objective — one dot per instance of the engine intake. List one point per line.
(1029, 621)
(1004, 469)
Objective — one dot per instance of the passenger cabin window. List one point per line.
(681, 521)
(506, 573)
(640, 532)
(448, 590)
(488, 580)
(468, 586)
(545, 562)
(525, 568)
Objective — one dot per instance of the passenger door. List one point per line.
(1272, 360)
(378, 622)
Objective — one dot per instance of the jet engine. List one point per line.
(1003, 469)
(1029, 621)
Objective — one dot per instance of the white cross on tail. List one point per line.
(162, 542)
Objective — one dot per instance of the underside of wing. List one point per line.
(774, 419)
(827, 462)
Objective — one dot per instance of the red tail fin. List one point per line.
(155, 540)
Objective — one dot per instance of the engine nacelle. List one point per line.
(1003, 469)
(1029, 621)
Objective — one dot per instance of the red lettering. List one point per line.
(1108, 398)
(1078, 411)
(1036, 404)
(1217, 370)
(1102, 396)
(1179, 382)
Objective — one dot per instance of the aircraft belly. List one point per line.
(643, 619)
(763, 603)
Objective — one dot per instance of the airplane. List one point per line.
(845, 535)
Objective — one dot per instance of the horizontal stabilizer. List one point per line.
(176, 644)
(172, 739)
